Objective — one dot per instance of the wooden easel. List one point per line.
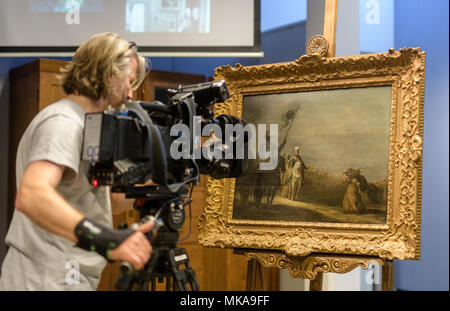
(329, 25)
(313, 266)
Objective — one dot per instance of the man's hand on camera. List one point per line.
(149, 182)
(136, 249)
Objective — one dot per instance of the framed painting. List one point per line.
(348, 171)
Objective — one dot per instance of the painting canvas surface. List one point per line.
(333, 148)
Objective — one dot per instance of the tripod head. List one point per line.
(164, 205)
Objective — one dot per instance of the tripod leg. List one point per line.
(153, 281)
(178, 279)
(190, 276)
(165, 263)
(143, 286)
(169, 282)
(178, 257)
(126, 281)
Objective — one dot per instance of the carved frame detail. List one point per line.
(308, 267)
(399, 237)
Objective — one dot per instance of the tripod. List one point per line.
(165, 264)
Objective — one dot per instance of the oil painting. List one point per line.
(348, 178)
(333, 157)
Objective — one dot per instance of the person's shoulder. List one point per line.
(64, 108)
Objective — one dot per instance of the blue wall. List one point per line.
(424, 24)
(276, 13)
(376, 21)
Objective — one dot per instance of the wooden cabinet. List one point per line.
(36, 85)
(33, 86)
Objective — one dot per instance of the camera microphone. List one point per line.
(208, 92)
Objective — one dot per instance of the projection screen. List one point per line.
(159, 27)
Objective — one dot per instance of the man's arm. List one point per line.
(38, 199)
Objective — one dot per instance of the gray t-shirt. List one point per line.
(38, 259)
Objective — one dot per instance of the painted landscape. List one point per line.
(320, 199)
(333, 155)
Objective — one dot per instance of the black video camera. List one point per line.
(134, 144)
(152, 140)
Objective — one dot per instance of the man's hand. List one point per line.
(149, 182)
(136, 249)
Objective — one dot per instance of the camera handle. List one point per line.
(125, 266)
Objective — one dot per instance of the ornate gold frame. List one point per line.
(399, 237)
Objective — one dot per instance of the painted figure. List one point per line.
(356, 186)
(297, 175)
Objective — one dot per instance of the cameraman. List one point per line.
(62, 224)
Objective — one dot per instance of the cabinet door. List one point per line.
(33, 86)
(50, 90)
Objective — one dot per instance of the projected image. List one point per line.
(178, 16)
(47, 6)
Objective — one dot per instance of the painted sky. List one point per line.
(336, 129)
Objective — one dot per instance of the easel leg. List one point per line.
(387, 280)
(316, 284)
(255, 278)
(251, 275)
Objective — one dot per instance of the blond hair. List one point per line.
(96, 61)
